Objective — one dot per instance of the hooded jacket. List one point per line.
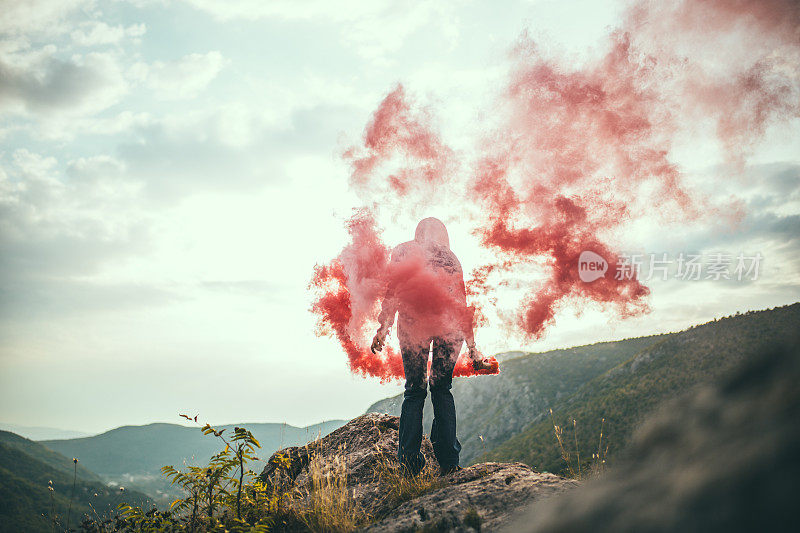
(426, 287)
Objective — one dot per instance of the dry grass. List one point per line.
(329, 506)
(598, 461)
(400, 487)
(599, 458)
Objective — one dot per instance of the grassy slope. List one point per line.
(625, 394)
(25, 497)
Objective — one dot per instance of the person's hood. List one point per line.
(432, 231)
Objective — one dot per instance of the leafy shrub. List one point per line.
(227, 496)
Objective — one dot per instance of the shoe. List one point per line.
(411, 468)
(449, 470)
(409, 473)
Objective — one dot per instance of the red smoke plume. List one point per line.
(351, 288)
(572, 156)
(399, 132)
(349, 292)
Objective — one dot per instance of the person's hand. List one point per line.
(378, 341)
(481, 364)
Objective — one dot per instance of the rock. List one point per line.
(364, 444)
(493, 491)
(481, 497)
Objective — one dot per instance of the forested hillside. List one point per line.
(26, 470)
(626, 394)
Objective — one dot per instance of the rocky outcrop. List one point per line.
(364, 445)
(482, 496)
(492, 492)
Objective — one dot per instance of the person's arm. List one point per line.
(469, 338)
(385, 319)
(468, 330)
(481, 364)
(389, 306)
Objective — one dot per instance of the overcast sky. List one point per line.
(170, 174)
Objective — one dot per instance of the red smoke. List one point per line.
(349, 292)
(733, 62)
(399, 133)
(572, 155)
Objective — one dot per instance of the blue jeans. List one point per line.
(443, 431)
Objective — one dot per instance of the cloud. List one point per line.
(181, 78)
(59, 298)
(93, 33)
(46, 17)
(252, 287)
(228, 148)
(62, 225)
(375, 29)
(54, 226)
(770, 195)
(38, 81)
(289, 9)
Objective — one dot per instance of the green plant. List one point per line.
(221, 484)
(51, 490)
(227, 496)
(599, 458)
(221, 496)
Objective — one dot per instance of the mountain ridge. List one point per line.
(43, 432)
(491, 409)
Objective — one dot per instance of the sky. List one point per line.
(171, 173)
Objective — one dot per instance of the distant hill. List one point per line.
(26, 467)
(620, 381)
(626, 394)
(133, 455)
(42, 432)
(53, 460)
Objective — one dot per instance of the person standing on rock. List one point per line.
(426, 287)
